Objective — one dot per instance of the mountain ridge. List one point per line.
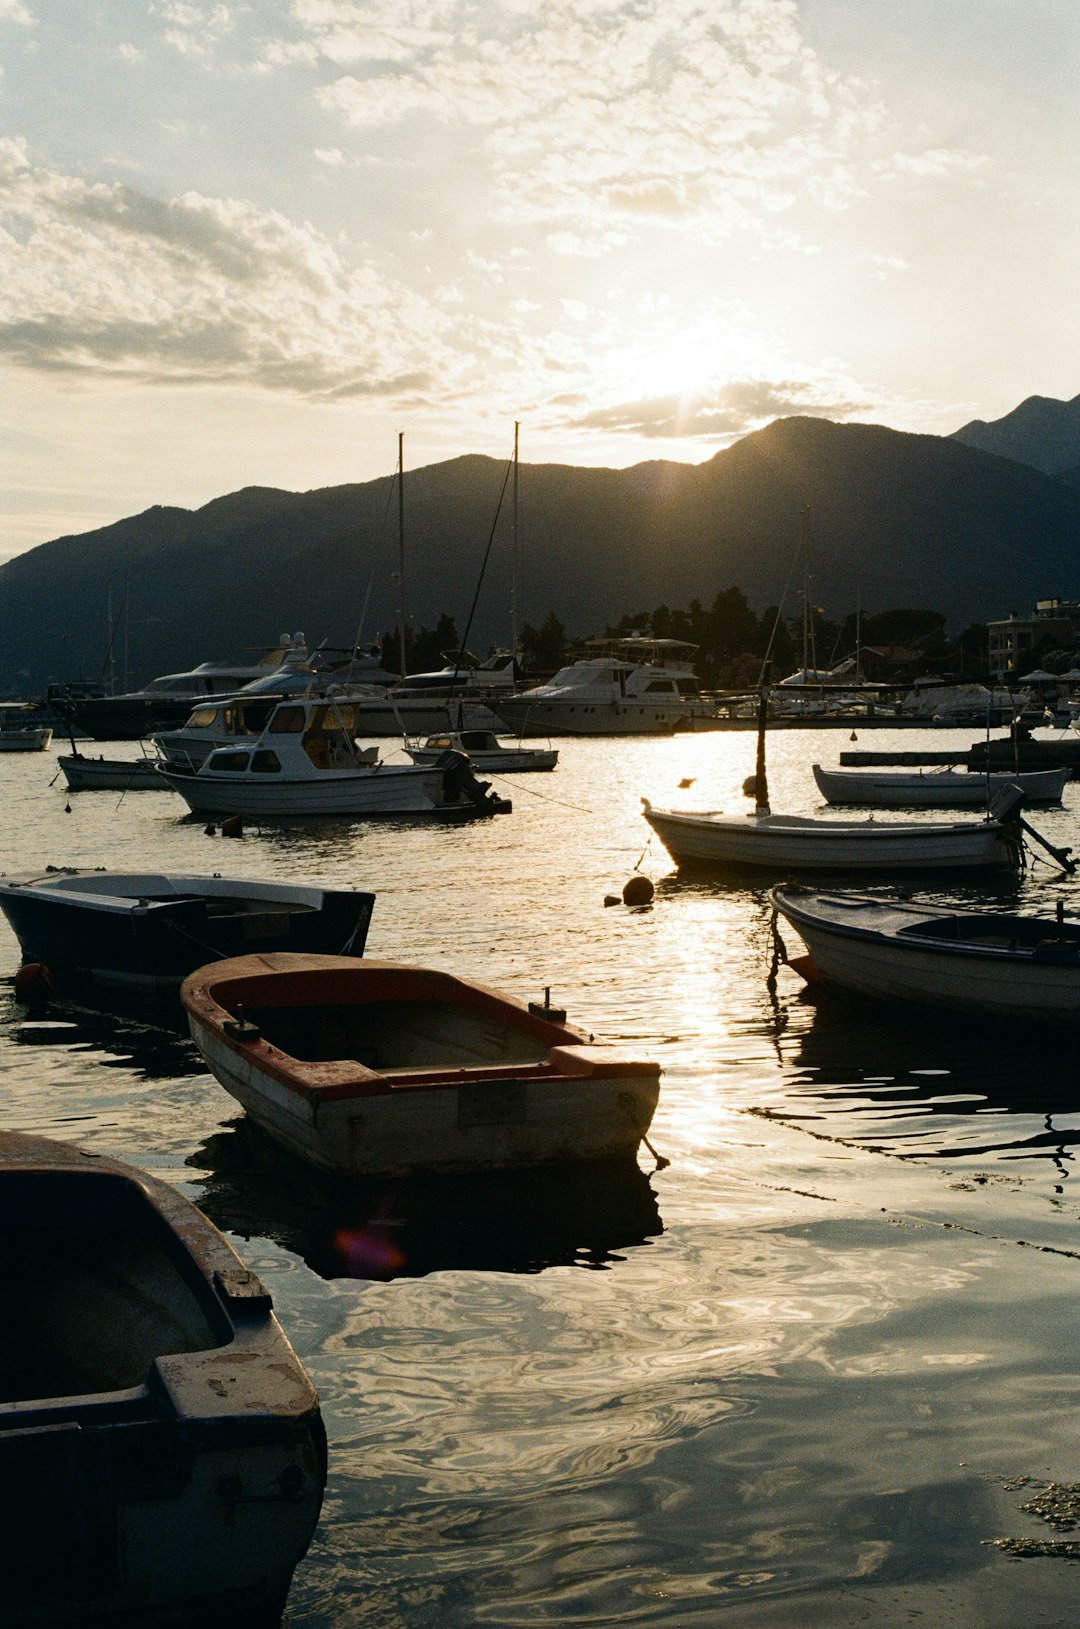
(895, 518)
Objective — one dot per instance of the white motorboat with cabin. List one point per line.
(306, 761)
(991, 963)
(486, 752)
(933, 788)
(162, 1445)
(631, 686)
(376, 1069)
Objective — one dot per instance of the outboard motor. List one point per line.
(460, 783)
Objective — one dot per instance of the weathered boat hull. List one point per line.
(160, 1442)
(894, 951)
(146, 932)
(536, 1093)
(858, 788)
(779, 843)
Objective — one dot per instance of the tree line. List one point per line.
(733, 641)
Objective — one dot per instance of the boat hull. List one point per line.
(28, 740)
(502, 760)
(543, 718)
(540, 1096)
(779, 844)
(111, 774)
(937, 790)
(122, 930)
(1040, 984)
(368, 792)
(161, 1441)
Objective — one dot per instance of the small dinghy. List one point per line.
(993, 963)
(376, 1069)
(485, 752)
(935, 789)
(84, 774)
(161, 1444)
(145, 931)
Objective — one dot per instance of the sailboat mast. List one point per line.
(806, 591)
(515, 561)
(401, 543)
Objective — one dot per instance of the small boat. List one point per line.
(996, 964)
(145, 931)
(937, 789)
(306, 761)
(26, 738)
(782, 843)
(162, 1443)
(485, 752)
(377, 1069)
(84, 774)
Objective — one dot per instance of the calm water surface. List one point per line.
(807, 1374)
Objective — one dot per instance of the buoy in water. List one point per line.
(638, 890)
(233, 826)
(210, 830)
(33, 982)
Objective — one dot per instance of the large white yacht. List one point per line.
(631, 686)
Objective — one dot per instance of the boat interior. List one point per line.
(404, 1034)
(95, 1284)
(1044, 939)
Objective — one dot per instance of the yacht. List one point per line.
(631, 686)
(462, 695)
(168, 700)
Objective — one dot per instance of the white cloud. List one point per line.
(104, 279)
(13, 11)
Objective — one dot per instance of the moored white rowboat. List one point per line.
(996, 964)
(781, 843)
(377, 1069)
(936, 789)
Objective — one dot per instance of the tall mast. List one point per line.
(515, 561)
(806, 639)
(401, 543)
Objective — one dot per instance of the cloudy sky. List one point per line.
(249, 243)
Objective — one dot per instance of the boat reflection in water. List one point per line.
(582, 1215)
(955, 1089)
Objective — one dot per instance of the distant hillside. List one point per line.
(894, 520)
(1042, 432)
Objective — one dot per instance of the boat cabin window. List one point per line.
(229, 762)
(439, 743)
(202, 718)
(287, 721)
(266, 762)
(327, 739)
(666, 685)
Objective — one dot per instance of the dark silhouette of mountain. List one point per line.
(894, 519)
(1042, 432)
